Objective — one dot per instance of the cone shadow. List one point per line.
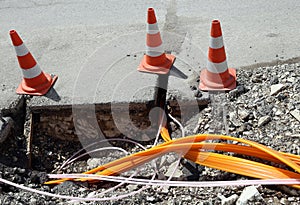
(53, 95)
(174, 71)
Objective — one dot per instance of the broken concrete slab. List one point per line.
(9, 102)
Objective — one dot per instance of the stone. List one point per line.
(132, 187)
(296, 114)
(274, 80)
(275, 89)
(33, 201)
(275, 201)
(191, 170)
(240, 89)
(94, 162)
(177, 174)
(220, 196)
(91, 194)
(243, 114)
(229, 200)
(284, 201)
(164, 189)
(233, 119)
(249, 193)
(195, 130)
(264, 120)
(291, 79)
(278, 112)
(6, 125)
(150, 199)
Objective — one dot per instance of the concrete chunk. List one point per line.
(275, 89)
(248, 193)
(296, 114)
(264, 120)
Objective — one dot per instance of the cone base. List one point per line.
(23, 89)
(218, 85)
(161, 69)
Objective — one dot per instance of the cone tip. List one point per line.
(15, 38)
(216, 29)
(12, 32)
(151, 16)
(215, 21)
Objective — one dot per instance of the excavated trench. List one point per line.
(42, 138)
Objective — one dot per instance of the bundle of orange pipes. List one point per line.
(194, 148)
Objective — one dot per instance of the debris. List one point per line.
(296, 114)
(248, 193)
(264, 120)
(240, 89)
(132, 187)
(6, 125)
(274, 80)
(177, 173)
(275, 201)
(278, 112)
(284, 201)
(164, 189)
(275, 89)
(151, 199)
(191, 170)
(291, 80)
(230, 200)
(94, 162)
(234, 120)
(243, 114)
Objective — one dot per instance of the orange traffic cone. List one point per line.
(155, 60)
(217, 75)
(35, 81)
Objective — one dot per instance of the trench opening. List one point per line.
(42, 138)
(57, 134)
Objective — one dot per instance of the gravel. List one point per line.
(264, 108)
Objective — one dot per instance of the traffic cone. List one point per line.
(155, 60)
(35, 81)
(217, 75)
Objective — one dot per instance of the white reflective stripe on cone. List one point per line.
(21, 50)
(216, 43)
(154, 51)
(217, 67)
(152, 28)
(32, 72)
